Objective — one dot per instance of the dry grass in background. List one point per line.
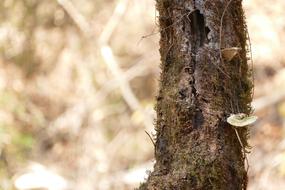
(77, 87)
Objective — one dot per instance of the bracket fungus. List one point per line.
(229, 53)
(241, 120)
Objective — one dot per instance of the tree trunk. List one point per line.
(195, 148)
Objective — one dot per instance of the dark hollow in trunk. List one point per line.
(195, 148)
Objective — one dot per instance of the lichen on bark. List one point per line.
(195, 148)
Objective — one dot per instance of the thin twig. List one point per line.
(221, 29)
(243, 149)
(150, 138)
(251, 60)
(79, 20)
(113, 21)
(163, 29)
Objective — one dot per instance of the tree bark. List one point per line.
(195, 148)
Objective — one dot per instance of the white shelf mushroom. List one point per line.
(241, 120)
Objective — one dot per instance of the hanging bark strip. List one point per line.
(195, 148)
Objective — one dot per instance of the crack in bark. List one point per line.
(199, 33)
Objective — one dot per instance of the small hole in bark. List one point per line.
(182, 93)
(187, 69)
(198, 119)
(207, 31)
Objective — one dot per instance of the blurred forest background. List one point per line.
(78, 80)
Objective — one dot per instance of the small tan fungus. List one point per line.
(229, 53)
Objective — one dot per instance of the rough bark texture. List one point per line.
(195, 148)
